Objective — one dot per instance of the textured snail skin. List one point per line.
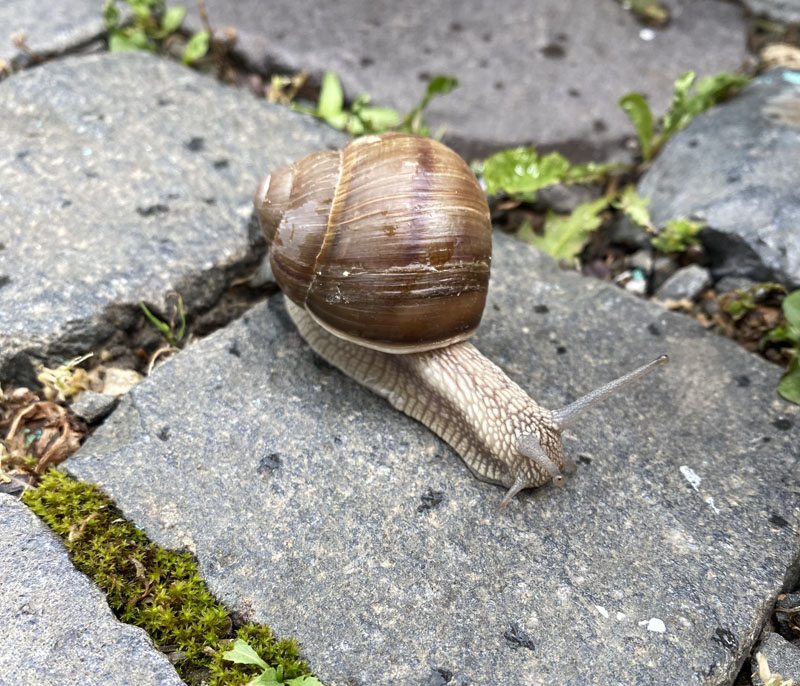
(458, 394)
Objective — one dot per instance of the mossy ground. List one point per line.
(156, 589)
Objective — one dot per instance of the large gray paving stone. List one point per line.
(57, 627)
(311, 504)
(548, 73)
(51, 28)
(124, 177)
(735, 167)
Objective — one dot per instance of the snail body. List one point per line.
(383, 250)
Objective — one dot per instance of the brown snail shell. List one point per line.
(386, 242)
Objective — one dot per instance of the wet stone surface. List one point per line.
(124, 177)
(316, 508)
(548, 73)
(57, 627)
(735, 169)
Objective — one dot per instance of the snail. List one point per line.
(383, 251)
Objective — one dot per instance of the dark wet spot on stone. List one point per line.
(599, 125)
(456, 27)
(269, 463)
(4, 280)
(152, 210)
(653, 329)
(374, 21)
(562, 37)
(496, 307)
(430, 499)
(742, 381)
(553, 51)
(195, 144)
(499, 85)
(487, 37)
(280, 35)
(210, 201)
(517, 637)
(733, 177)
(574, 93)
(584, 459)
(337, 440)
(426, 50)
(483, 63)
(366, 61)
(777, 520)
(561, 350)
(321, 363)
(22, 154)
(173, 196)
(541, 309)
(91, 174)
(726, 638)
(782, 424)
(693, 143)
(163, 433)
(766, 439)
(164, 101)
(233, 349)
(440, 677)
(65, 204)
(221, 163)
(424, 76)
(2, 246)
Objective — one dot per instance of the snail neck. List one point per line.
(456, 392)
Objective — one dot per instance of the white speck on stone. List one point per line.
(602, 610)
(620, 616)
(710, 501)
(345, 273)
(647, 34)
(691, 476)
(654, 624)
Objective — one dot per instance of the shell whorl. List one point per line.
(386, 243)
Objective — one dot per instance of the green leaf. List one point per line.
(305, 680)
(127, 40)
(243, 654)
(677, 236)
(331, 97)
(564, 237)
(783, 333)
(378, 119)
(196, 48)
(110, 15)
(791, 309)
(590, 171)
(634, 205)
(638, 111)
(439, 85)
(521, 170)
(172, 19)
(789, 386)
(268, 677)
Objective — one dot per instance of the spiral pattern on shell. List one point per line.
(386, 242)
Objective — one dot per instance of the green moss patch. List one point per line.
(156, 589)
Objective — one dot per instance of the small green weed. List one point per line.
(677, 236)
(362, 118)
(156, 589)
(520, 172)
(172, 335)
(242, 653)
(564, 236)
(788, 333)
(687, 103)
(152, 23)
(651, 12)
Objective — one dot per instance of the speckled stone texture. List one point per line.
(780, 10)
(548, 72)
(735, 167)
(57, 627)
(782, 658)
(50, 27)
(124, 177)
(315, 507)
